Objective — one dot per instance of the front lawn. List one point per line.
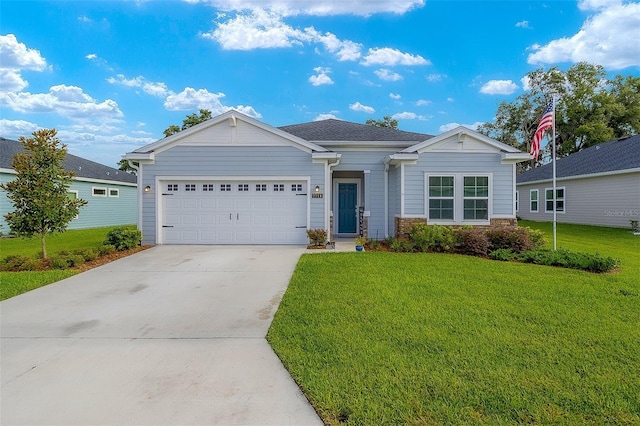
(422, 338)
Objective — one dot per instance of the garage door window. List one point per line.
(225, 187)
(207, 187)
(172, 187)
(261, 187)
(243, 187)
(278, 187)
(190, 187)
(296, 187)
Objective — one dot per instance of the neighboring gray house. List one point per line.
(111, 194)
(599, 185)
(236, 180)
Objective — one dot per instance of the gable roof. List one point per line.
(460, 134)
(81, 167)
(338, 130)
(616, 155)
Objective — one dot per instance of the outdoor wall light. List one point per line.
(317, 188)
(147, 188)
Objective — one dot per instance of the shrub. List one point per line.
(568, 259)
(373, 244)
(16, 263)
(87, 254)
(317, 236)
(106, 249)
(59, 262)
(124, 238)
(518, 239)
(432, 237)
(472, 241)
(400, 245)
(506, 255)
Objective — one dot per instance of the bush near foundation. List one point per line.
(124, 238)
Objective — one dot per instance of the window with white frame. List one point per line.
(172, 187)
(476, 198)
(549, 200)
(533, 201)
(98, 191)
(190, 187)
(441, 192)
(517, 201)
(114, 192)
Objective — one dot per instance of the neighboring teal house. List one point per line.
(111, 194)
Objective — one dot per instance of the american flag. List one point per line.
(546, 122)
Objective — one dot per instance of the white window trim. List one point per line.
(101, 188)
(117, 190)
(537, 200)
(75, 191)
(563, 199)
(458, 199)
(517, 201)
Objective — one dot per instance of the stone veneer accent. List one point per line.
(404, 224)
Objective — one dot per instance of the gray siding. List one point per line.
(229, 161)
(99, 211)
(374, 162)
(605, 201)
(394, 197)
(466, 163)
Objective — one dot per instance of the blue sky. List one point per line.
(111, 76)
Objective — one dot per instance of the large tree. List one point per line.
(40, 192)
(590, 109)
(190, 121)
(386, 121)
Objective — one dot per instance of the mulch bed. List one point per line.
(103, 260)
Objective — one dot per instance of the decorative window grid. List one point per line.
(296, 187)
(243, 187)
(225, 187)
(208, 187)
(190, 187)
(261, 187)
(278, 187)
(172, 187)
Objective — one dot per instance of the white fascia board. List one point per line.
(365, 144)
(140, 156)
(326, 155)
(83, 179)
(400, 157)
(462, 132)
(576, 177)
(515, 157)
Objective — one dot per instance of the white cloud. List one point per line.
(450, 100)
(525, 81)
(432, 78)
(192, 99)
(422, 102)
(319, 8)
(387, 75)
(408, 116)
(16, 128)
(499, 87)
(150, 88)
(11, 80)
(361, 108)
(67, 101)
(523, 24)
(345, 50)
(608, 38)
(394, 96)
(390, 57)
(91, 56)
(328, 116)
(451, 126)
(16, 55)
(322, 77)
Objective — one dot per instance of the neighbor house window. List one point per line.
(533, 201)
(549, 200)
(98, 191)
(517, 201)
(441, 197)
(72, 195)
(476, 198)
(114, 192)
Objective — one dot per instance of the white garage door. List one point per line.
(234, 212)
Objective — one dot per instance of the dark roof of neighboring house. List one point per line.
(618, 154)
(81, 167)
(338, 130)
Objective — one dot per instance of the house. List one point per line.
(235, 180)
(599, 185)
(110, 193)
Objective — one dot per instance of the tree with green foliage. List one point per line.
(190, 121)
(40, 191)
(386, 121)
(123, 165)
(590, 109)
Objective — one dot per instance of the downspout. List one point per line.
(139, 180)
(386, 199)
(328, 190)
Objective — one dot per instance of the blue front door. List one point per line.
(347, 203)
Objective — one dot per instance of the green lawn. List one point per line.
(14, 283)
(389, 338)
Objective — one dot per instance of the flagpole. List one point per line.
(553, 160)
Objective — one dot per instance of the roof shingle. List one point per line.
(338, 130)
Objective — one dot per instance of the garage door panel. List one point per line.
(250, 212)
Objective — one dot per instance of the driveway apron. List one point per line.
(171, 335)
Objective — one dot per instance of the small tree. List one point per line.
(386, 121)
(39, 193)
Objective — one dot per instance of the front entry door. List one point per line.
(347, 208)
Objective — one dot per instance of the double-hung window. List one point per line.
(476, 198)
(533, 201)
(549, 200)
(441, 197)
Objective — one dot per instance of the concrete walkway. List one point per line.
(172, 335)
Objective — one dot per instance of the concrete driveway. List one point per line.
(171, 335)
